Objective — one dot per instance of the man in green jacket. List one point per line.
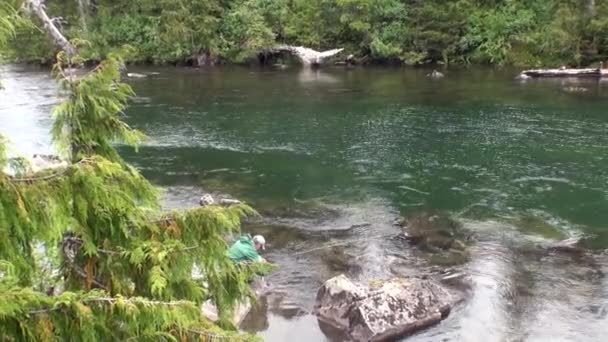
(246, 249)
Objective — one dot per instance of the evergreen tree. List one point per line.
(85, 251)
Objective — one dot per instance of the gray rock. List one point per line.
(569, 246)
(228, 201)
(338, 259)
(208, 199)
(435, 74)
(41, 162)
(384, 312)
(259, 288)
(136, 75)
(438, 234)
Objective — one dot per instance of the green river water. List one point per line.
(336, 156)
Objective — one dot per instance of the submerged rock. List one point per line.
(570, 246)
(439, 234)
(533, 225)
(383, 312)
(338, 259)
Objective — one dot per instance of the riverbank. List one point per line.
(531, 33)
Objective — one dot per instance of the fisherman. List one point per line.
(246, 249)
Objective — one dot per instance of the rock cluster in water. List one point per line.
(384, 311)
(208, 199)
(435, 74)
(438, 234)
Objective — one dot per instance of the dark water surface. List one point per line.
(334, 157)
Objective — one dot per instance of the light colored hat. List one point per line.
(259, 239)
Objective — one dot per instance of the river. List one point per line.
(335, 157)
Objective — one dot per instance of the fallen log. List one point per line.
(39, 9)
(564, 72)
(307, 56)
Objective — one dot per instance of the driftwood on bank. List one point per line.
(564, 72)
(307, 56)
(39, 9)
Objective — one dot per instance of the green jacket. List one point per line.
(244, 250)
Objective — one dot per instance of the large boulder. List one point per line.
(384, 311)
(259, 288)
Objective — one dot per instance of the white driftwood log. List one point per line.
(563, 72)
(307, 56)
(38, 7)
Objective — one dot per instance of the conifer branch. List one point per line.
(143, 302)
(62, 172)
(111, 252)
(42, 178)
(111, 300)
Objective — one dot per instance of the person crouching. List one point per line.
(246, 249)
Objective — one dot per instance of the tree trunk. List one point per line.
(38, 7)
(590, 9)
(83, 9)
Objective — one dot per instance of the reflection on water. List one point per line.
(315, 76)
(332, 158)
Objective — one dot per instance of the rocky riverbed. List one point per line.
(505, 276)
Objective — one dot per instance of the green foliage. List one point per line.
(7, 26)
(532, 32)
(263, 268)
(3, 159)
(89, 122)
(187, 27)
(91, 234)
(492, 33)
(100, 317)
(244, 32)
(19, 39)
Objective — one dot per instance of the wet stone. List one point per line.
(384, 311)
(338, 259)
(437, 233)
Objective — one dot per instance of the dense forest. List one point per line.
(499, 32)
